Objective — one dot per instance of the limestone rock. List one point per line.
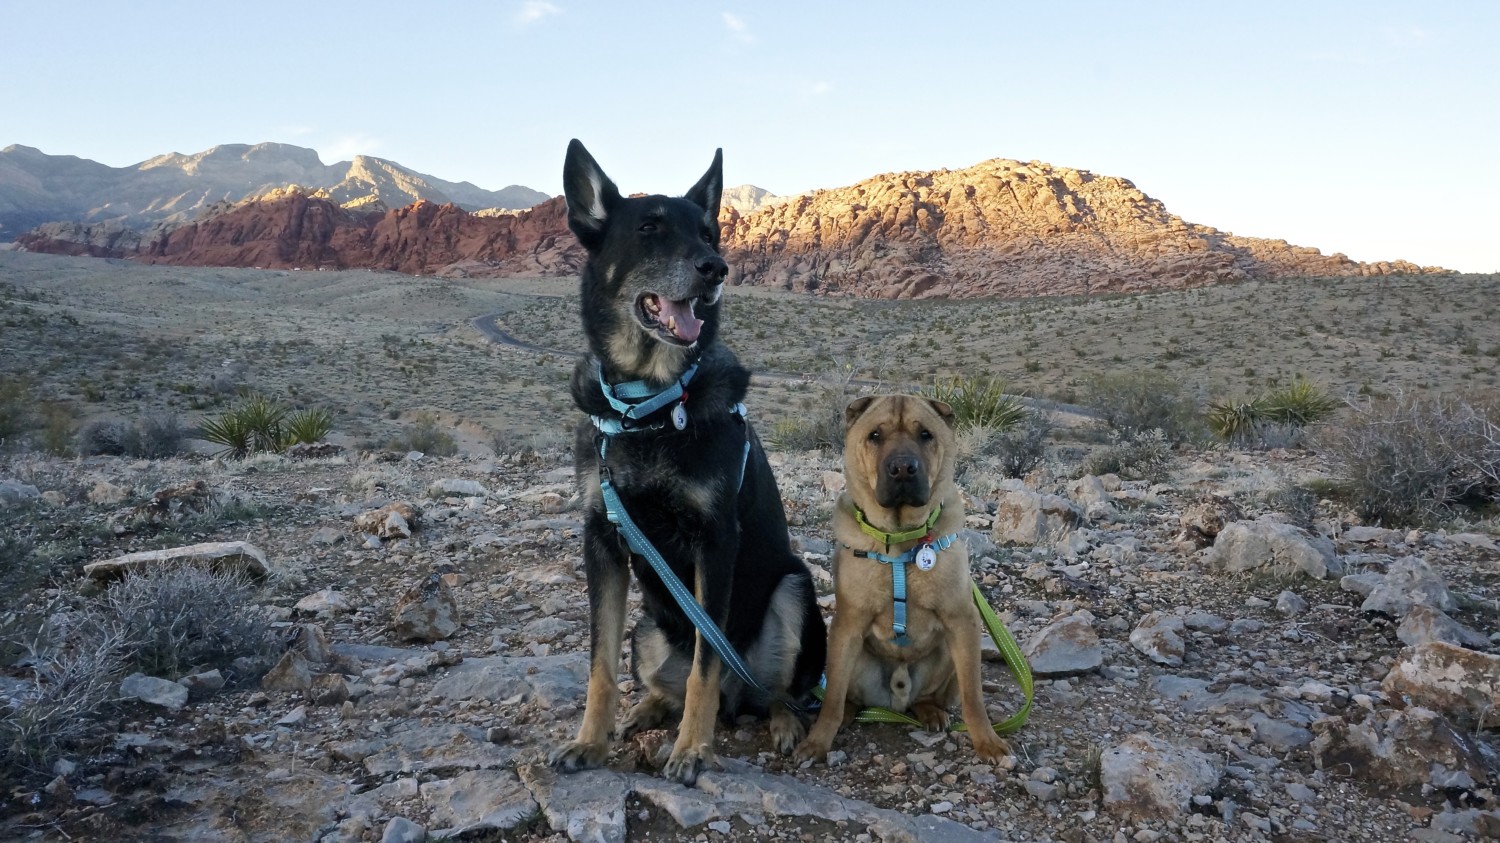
(1448, 678)
(1424, 623)
(427, 612)
(1161, 637)
(324, 600)
(291, 673)
(393, 521)
(1065, 647)
(1147, 778)
(478, 800)
(1025, 517)
(106, 493)
(239, 556)
(1202, 521)
(1409, 582)
(149, 689)
(14, 491)
(1398, 748)
(203, 685)
(1274, 547)
(456, 487)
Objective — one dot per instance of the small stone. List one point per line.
(155, 691)
(1160, 637)
(403, 830)
(1290, 603)
(325, 600)
(427, 612)
(295, 717)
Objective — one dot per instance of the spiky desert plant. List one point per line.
(231, 431)
(979, 402)
(307, 426)
(1300, 402)
(264, 417)
(1236, 420)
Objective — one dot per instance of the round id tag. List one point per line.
(679, 416)
(926, 557)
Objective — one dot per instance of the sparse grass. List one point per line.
(1134, 403)
(175, 620)
(427, 436)
(1143, 456)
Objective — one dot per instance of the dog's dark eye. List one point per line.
(708, 237)
(647, 228)
(874, 436)
(925, 435)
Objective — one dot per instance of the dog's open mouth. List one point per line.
(671, 319)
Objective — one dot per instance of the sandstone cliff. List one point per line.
(1000, 228)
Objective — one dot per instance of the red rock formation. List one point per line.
(1000, 228)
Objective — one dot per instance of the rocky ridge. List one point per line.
(1293, 684)
(37, 188)
(1001, 228)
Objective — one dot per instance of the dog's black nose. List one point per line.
(902, 467)
(713, 267)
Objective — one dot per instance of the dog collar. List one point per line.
(889, 539)
(635, 400)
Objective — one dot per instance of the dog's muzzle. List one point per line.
(902, 481)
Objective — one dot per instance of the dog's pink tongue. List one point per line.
(678, 316)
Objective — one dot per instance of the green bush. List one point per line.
(1254, 421)
(258, 423)
(1134, 403)
(979, 402)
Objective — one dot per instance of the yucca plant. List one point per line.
(264, 417)
(307, 426)
(980, 402)
(1301, 402)
(1231, 420)
(231, 431)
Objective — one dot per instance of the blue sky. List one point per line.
(1367, 128)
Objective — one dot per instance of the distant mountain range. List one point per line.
(170, 189)
(1000, 228)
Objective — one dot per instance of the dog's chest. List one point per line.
(929, 601)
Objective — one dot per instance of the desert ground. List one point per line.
(1185, 696)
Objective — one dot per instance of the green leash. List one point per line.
(1013, 659)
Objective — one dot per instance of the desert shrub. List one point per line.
(979, 402)
(17, 410)
(1134, 403)
(425, 435)
(108, 437)
(1298, 503)
(74, 681)
(820, 425)
(1142, 456)
(175, 620)
(1236, 421)
(56, 428)
(1406, 461)
(1299, 403)
(1011, 452)
(160, 436)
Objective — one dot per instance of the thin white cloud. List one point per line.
(346, 147)
(738, 28)
(534, 10)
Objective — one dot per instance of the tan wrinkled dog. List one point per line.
(898, 467)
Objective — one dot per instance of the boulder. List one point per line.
(1272, 547)
(1203, 520)
(1066, 647)
(1451, 679)
(1397, 749)
(393, 521)
(427, 612)
(234, 556)
(150, 689)
(1025, 517)
(1409, 582)
(1146, 778)
(1161, 637)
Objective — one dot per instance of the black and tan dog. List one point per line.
(690, 473)
(901, 507)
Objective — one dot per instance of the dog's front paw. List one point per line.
(991, 748)
(786, 730)
(644, 715)
(934, 718)
(573, 756)
(686, 763)
(812, 748)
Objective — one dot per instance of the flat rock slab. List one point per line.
(550, 680)
(423, 748)
(590, 806)
(477, 800)
(234, 556)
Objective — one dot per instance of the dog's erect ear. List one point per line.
(591, 195)
(943, 409)
(856, 409)
(705, 194)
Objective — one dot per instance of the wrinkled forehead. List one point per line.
(893, 413)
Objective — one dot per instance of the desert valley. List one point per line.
(1237, 500)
